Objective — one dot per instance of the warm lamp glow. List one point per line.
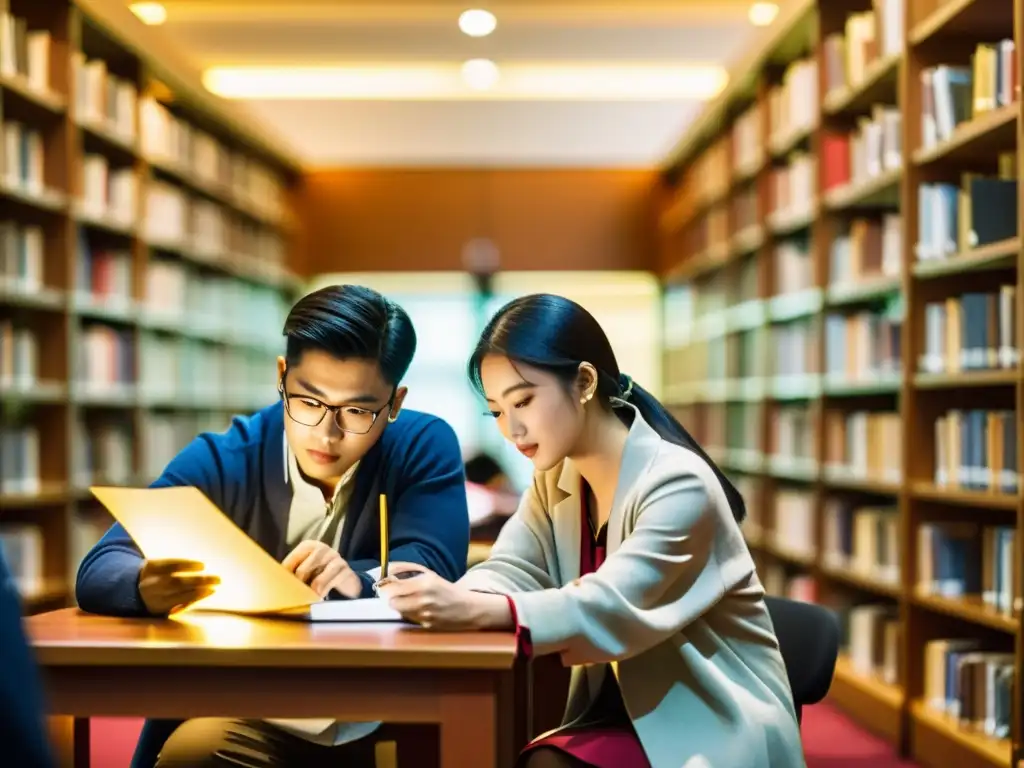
(153, 14)
(480, 74)
(474, 79)
(477, 22)
(762, 14)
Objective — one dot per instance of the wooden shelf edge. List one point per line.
(967, 133)
(969, 609)
(875, 705)
(996, 752)
(992, 256)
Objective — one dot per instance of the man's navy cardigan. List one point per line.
(416, 462)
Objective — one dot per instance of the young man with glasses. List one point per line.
(303, 478)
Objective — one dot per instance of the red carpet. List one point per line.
(831, 740)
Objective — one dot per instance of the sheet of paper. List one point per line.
(184, 523)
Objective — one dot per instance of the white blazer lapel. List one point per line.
(640, 449)
(565, 521)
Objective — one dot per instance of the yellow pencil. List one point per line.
(384, 538)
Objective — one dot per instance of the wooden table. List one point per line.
(219, 665)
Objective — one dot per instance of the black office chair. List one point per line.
(809, 640)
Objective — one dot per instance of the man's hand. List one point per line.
(323, 569)
(170, 585)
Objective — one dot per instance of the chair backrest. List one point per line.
(809, 640)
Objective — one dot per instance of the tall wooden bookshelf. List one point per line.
(824, 244)
(145, 229)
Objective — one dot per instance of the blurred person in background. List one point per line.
(625, 558)
(492, 498)
(23, 731)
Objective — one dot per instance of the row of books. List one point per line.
(867, 36)
(862, 539)
(793, 104)
(954, 559)
(747, 146)
(866, 445)
(170, 217)
(19, 356)
(863, 346)
(743, 209)
(213, 305)
(175, 220)
(873, 148)
(104, 448)
(110, 102)
(165, 434)
(794, 348)
(871, 634)
(21, 257)
(24, 52)
(793, 526)
(980, 211)
(102, 451)
(20, 459)
(793, 186)
(794, 267)
(23, 167)
(791, 432)
(971, 684)
(867, 249)
(962, 678)
(971, 332)
(172, 141)
(103, 99)
(735, 424)
(954, 94)
(976, 449)
(957, 559)
(22, 547)
(109, 194)
(779, 581)
(105, 366)
(230, 375)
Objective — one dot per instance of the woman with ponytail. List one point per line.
(625, 558)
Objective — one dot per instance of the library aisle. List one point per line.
(843, 258)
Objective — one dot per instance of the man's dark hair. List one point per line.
(352, 321)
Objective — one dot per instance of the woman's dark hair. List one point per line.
(555, 334)
(352, 321)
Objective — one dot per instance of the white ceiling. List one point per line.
(485, 132)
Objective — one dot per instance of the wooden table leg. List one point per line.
(69, 737)
(469, 725)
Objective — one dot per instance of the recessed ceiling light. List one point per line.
(477, 22)
(762, 14)
(153, 14)
(480, 74)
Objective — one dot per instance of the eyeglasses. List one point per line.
(308, 411)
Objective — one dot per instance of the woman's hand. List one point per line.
(435, 603)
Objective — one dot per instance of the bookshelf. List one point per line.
(841, 261)
(145, 235)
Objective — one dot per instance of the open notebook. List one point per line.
(182, 522)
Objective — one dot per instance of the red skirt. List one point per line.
(598, 746)
(606, 738)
